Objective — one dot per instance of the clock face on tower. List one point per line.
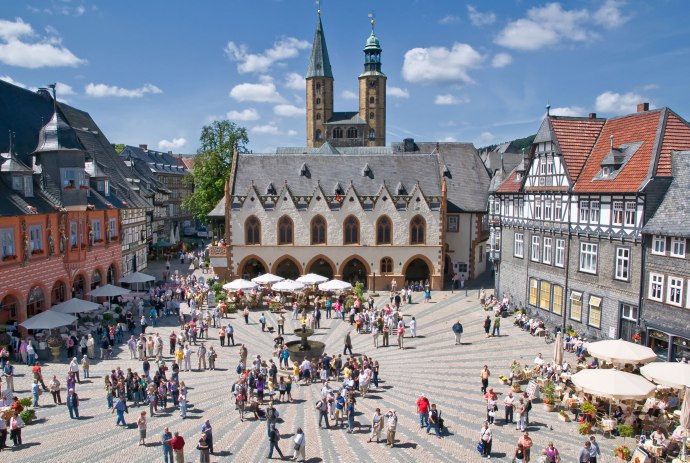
(373, 83)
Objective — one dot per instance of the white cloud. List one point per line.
(349, 95)
(295, 81)
(288, 110)
(397, 92)
(501, 60)
(574, 111)
(263, 92)
(174, 145)
(268, 129)
(20, 46)
(615, 103)
(551, 24)
(249, 114)
(610, 15)
(449, 19)
(440, 64)
(650, 87)
(103, 90)
(10, 80)
(62, 89)
(449, 139)
(283, 49)
(292, 133)
(449, 99)
(80, 10)
(485, 138)
(480, 19)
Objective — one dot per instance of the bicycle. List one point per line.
(549, 337)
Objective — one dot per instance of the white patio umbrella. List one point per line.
(671, 374)
(685, 417)
(177, 234)
(613, 384)
(287, 286)
(172, 236)
(620, 352)
(48, 320)
(239, 284)
(137, 277)
(335, 285)
(267, 279)
(311, 279)
(76, 305)
(108, 291)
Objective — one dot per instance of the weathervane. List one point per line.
(371, 20)
(318, 6)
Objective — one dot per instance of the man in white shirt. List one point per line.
(539, 360)
(509, 402)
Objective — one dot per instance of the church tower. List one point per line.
(372, 93)
(319, 89)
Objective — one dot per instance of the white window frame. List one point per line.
(656, 287)
(630, 213)
(73, 234)
(548, 209)
(7, 246)
(521, 208)
(594, 212)
(584, 211)
(674, 293)
(678, 247)
(659, 245)
(538, 209)
(35, 238)
(575, 296)
(519, 245)
(97, 231)
(622, 264)
(588, 257)
(629, 312)
(547, 248)
(594, 301)
(557, 210)
(113, 228)
(549, 166)
(617, 213)
(534, 249)
(559, 254)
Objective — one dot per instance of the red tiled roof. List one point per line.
(576, 137)
(188, 162)
(510, 185)
(638, 127)
(676, 138)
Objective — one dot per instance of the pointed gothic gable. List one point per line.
(319, 201)
(351, 201)
(286, 201)
(418, 202)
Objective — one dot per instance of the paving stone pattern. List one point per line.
(431, 363)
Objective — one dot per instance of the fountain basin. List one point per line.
(298, 350)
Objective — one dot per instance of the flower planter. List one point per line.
(55, 352)
(549, 407)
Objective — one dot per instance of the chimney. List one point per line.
(642, 107)
(144, 147)
(592, 115)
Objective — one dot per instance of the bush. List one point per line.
(217, 287)
(584, 428)
(549, 392)
(26, 401)
(107, 316)
(28, 415)
(117, 310)
(625, 430)
(587, 407)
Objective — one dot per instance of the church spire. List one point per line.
(319, 64)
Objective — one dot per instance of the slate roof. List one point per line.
(10, 163)
(319, 63)
(218, 212)
(158, 161)
(330, 169)
(330, 149)
(14, 204)
(647, 127)
(346, 117)
(671, 218)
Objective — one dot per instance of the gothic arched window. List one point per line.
(417, 230)
(351, 230)
(338, 132)
(285, 230)
(372, 134)
(252, 229)
(386, 265)
(352, 132)
(383, 230)
(318, 230)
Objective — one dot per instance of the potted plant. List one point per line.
(585, 428)
(55, 342)
(28, 414)
(588, 409)
(623, 453)
(549, 393)
(625, 430)
(107, 317)
(563, 416)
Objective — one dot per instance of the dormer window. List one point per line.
(103, 186)
(605, 172)
(17, 182)
(72, 178)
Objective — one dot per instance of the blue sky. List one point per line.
(155, 72)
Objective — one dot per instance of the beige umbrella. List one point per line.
(558, 350)
(685, 416)
(621, 352)
(613, 384)
(671, 374)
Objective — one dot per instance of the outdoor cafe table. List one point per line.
(654, 449)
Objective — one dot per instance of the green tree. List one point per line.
(211, 165)
(119, 147)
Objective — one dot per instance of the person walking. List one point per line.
(487, 325)
(166, 439)
(85, 365)
(141, 426)
(519, 454)
(348, 344)
(120, 408)
(484, 376)
(509, 406)
(423, 410)
(401, 334)
(552, 455)
(8, 372)
(413, 327)
(350, 409)
(262, 321)
(376, 426)
(527, 444)
(486, 437)
(392, 424)
(584, 456)
(177, 444)
(497, 327)
(35, 393)
(201, 356)
(74, 368)
(202, 447)
(207, 429)
(54, 387)
(16, 425)
(322, 407)
(230, 334)
(594, 450)
(457, 331)
(245, 314)
(299, 442)
(273, 439)
(281, 323)
(433, 421)
(183, 403)
(73, 404)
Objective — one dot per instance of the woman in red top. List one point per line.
(38, 375)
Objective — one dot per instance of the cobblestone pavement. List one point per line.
(431, 363)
